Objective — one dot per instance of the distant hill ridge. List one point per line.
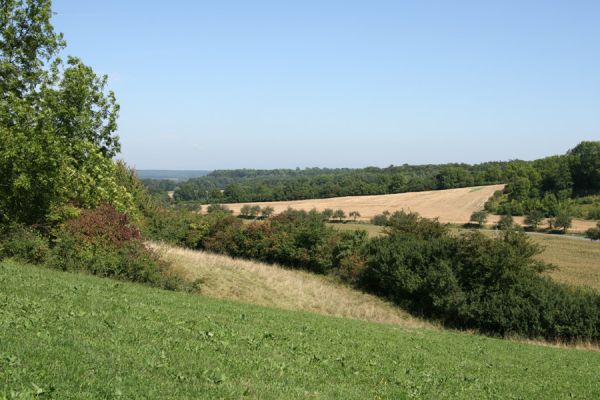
(171, 174)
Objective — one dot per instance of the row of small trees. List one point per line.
(255, 211)
(533, 220)
(328, 214)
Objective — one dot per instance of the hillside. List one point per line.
(70, 336)
(451, 205)
(262, 284)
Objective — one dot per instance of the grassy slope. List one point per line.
(578, 260)
(75, 336)
(274, 286)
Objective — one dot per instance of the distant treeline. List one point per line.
(547, 184)
(230, 186)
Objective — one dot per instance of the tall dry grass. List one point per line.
(262, 284)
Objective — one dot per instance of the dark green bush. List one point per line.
(475, 282)
(24, 244)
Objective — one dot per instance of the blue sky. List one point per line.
(263, 84)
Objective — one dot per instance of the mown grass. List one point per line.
(72, 336)
(578, 260)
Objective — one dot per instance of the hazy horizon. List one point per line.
(206, 86)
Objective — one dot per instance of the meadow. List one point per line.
(73, 336)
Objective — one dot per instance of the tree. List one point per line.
(339, 214)
(593, 233)
(245, 211)
(564, 220)
(218, 208)
(254, 211)
(480, 217)
(57, 123)
(534, 219)
(506, 222)
(327, 214)
(267, 211)
(584, 161)
(354, 215)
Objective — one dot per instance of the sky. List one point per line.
(285, 84)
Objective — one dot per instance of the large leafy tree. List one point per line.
(57, 122)
(585, 166)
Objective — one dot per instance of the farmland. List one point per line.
(451, 205)
(70, 336)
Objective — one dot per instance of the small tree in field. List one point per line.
(327, 214)
(534, 219)
(354, 215)
(480, 217)
(339, 214)
(506, 222)
(245, 211)
(254, 211)
(564, 220)
(593, 233)
(267, 211)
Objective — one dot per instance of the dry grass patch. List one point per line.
(578, 260)
(262, 284)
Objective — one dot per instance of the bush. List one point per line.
(480, 217)
(475, 282)
(104, 242)
(24, 244)
(593, 233)
(534, 218)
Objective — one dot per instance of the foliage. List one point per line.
(493, 285)
(534, 219)
(57, 123)
(506, 222)
(218, 208)
(480, 217)
(563, 220)
(24, 244)
(104, 242)
(593, 233)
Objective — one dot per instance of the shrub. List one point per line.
(564, 220)
(534, 219)
(413, 224)
(594, 213)
(104, 242)
(24, 244)
(506, 222)
(381, 219)
(475, 282)
(593, 233)
(480, 217)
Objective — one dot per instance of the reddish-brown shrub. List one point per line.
(105, 223)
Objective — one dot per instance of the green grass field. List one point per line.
(67, 336)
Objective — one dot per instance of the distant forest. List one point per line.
(571, 180)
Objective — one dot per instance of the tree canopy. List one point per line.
(57, 123)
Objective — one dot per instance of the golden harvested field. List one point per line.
(452, 205)
(262, 284)
(578, 261)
